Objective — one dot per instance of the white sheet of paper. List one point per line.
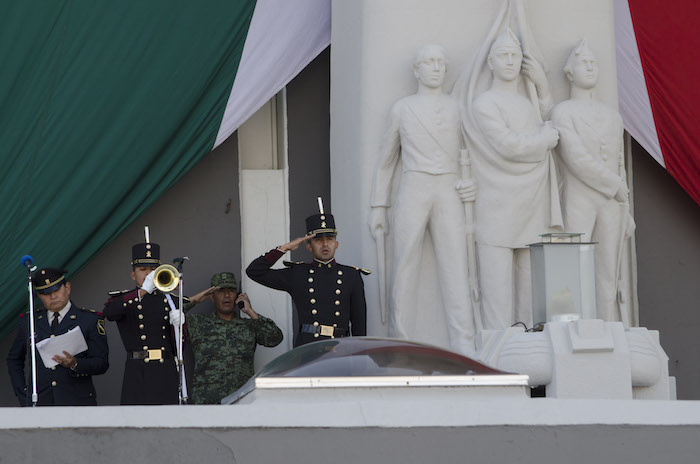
(72, 341)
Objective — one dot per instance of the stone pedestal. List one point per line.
(588, 358)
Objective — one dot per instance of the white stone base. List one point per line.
(588, 358)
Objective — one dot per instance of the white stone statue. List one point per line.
(424, 138)
(595, 195)
(513, 168)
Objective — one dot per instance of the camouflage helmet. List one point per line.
(224, 280)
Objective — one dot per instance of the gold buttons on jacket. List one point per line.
(140, 316)
(313, 300)
(145, 348)
(339, 281)
(315, 323)
(139, 307)
(54, 383)
(311, 279)
(311, 271)
(140, 326)
(143, 337)
(340, 272)
(337, 302)
(337, 313)
(337, 291)
(313, 311)
(315, 335)
(311, 290)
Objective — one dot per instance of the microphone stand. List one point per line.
(32, 332)
(180, 361)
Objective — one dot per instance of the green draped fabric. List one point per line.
(104, 105)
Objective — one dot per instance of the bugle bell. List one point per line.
(166, 278)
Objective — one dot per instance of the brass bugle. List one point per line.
(166, 278)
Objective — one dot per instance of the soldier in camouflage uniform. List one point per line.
(224, 343)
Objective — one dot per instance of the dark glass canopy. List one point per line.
(366, 356)
(371, 358)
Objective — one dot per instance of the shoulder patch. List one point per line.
(114, 293)
(101, 327)
(292, 263)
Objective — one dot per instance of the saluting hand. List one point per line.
(204, 295)
(294, 244)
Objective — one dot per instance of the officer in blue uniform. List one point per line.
(329, 297)
(142, 316)
(69, 383)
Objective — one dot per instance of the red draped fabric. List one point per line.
(669, 49)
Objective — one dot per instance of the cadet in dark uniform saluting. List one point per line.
(329, 297)
(142, 316)
(69, 383)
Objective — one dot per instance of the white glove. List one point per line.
(174, 316)
(148, 285)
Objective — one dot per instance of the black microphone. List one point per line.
(26, 261)
(178, 262)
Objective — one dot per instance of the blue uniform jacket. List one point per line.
(59, 386)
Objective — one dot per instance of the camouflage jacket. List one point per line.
(223, 352)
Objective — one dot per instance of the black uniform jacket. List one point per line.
(329, 295)
(144, 325)
(59, 386)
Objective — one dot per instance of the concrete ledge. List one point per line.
(382, 412)
(381, 430)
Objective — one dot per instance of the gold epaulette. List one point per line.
(362, 270)
(118, 292)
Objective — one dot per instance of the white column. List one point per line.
(264, 200)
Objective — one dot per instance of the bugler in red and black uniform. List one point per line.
(150, 372)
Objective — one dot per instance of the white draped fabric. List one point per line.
(284, 37)
(632, 90)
